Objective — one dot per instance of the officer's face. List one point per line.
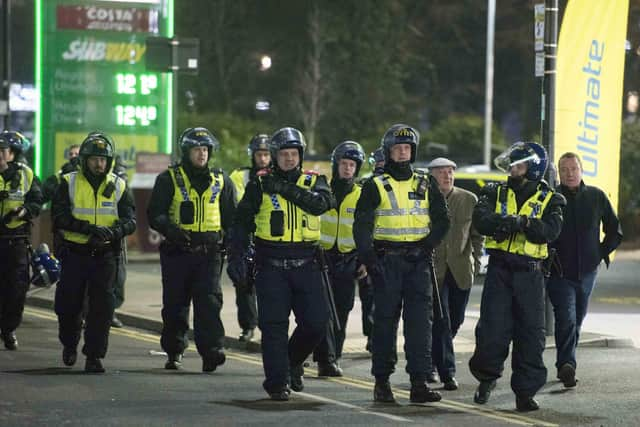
(199, 156)
(288, 159)
(346, 168)
(444, 176)
(261, 159)
(6, 155)
(570, 172)
(73, 152)
(97, 165)
(518, 170)
(400, 153)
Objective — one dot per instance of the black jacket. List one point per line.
(579, 247)
(33, 201)
(543, 230)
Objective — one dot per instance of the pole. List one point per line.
(488, 96)
(548, 110)
(6, 73)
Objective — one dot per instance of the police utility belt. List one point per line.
(197, 249)
(516, 267)
(87, 250)
(285, 263)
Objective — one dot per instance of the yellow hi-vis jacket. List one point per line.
(402, 215)
(298, 225)
(207, 205)
(92, 206)
(240, 178)
(533, 208)
(336, 226)
(16, 196)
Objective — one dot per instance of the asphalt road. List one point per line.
(36, 389)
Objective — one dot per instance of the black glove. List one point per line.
(272, 184)
(238, 271)
(101, 233)
(117, 231)
(177, 235)
(371, 261)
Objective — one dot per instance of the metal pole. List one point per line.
(548, 112)
(488, 96)
(6, 74)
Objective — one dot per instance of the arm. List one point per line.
(159, 203)
(611, 227)
(316, 200)
(61, 211)
(439, 214)
(485, 220)
(364, 221)
(547, 228)
(33, 200)
(126, 213)
(244, 223)
(227, 205)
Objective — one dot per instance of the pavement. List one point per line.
(143, 303)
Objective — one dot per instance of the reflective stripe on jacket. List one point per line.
(336, 228)
(206, 206)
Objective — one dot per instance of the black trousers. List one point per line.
(247, 305)
(187, 278)
(14, 282)
(95, 276)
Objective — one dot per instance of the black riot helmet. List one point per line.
(347, 150)
(197, 137)
(287, 138)
(15, 141)
(259, 142)
(400, 134)
(531, 153)
(96, 144)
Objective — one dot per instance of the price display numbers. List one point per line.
(140, 87)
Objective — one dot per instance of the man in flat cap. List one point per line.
(456, 262)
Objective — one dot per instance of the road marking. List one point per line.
(354, 382)
(619, 300)
(350, 406)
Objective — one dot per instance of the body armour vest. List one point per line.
(15, 193)
(240, 178)
(203, 212)
(336, 225)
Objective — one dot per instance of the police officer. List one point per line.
(258, 151)
(400, 218)
(519, 218)
(20, 202)
(282, 209)
(94, 210)
(50, 185)
(192, 206)
(336, 238)
(120, 169)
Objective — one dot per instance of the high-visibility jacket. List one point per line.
(240, 178)
(97, 207)
(293, 224)
(206, 206)
(534, 207)
(336, 225)
(403, 212)
(16, 195)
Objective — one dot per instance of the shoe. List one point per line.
(246, 335)
(116, 323)
(433, 378)
(93, 365)
(421, 393)
(69, 356)
(210, 363)
(382, 392)
(10, 341)
(174, 362)
(296, 373)
(450, 384)
(567, 374)
(281, 395)
(526, 404)
(329, 370)
(484, 391)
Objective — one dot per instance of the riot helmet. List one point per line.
(259, 142)
(197, 137)
(287, 137)
(97, 144)
(17, 142)
(531, 153)
(400, 134)
(347, 150)
(45, 267)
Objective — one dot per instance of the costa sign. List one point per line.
(128, 19)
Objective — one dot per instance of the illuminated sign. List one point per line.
(91, 75)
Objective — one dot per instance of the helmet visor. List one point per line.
(516, 154)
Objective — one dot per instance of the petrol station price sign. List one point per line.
(91, 75)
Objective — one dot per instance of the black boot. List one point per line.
(382, 392)
(450, 384)
(10, 340)
(69, 356)
(115, 322)
(93, 365)
(526, 404)
(174, 362)
(484, 391)
(246, 335)
(326, 369)
(420, 393)
(296, 373)
(281, 395)
(567, 374)
(211, 362)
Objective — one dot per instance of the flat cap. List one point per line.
(441, 162)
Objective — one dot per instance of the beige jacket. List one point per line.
(462, 246)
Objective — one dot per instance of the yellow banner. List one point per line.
(590, 71)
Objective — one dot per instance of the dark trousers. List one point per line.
(279, 291)
(95, 276)
(404, 287)
(570, 300)
(344, 292)
(442, 353)
(14, 282)
(118, 286)
(246, 302)
(188, 277)
(511, 310)
(365, 292)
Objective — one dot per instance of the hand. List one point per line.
(361, 272)
(272, 184)
(177, 235)
(100, 233)
(373, 266)
(19, 212)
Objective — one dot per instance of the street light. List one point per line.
(265, 62)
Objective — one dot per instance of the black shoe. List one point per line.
(246, 335)
(10, 340)
(296, 373)
(484, 391)
(116, 323)
(382, 392)
(210, 363)
(450, 384)
(329, 370)
(281, 395)
(526, 404)
(174, 362)
(69, 356)
(93, 365)
(421, 393)
(567, 374)
(433, 378)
